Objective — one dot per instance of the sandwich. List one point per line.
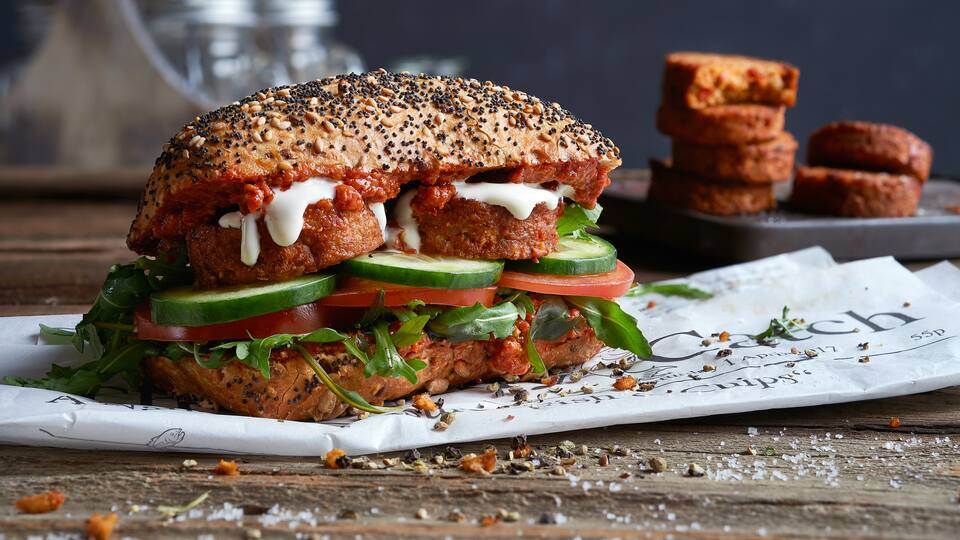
(336, 246)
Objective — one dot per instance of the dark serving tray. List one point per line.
(931, 234)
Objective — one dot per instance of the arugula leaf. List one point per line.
(375, 312)
(669, 289)
(612, 325)
(386, 361)
(782, 327)
(520, 299)
(576, 219)
(106, 331)
(551, 322)
(410, 331)
(476, 322)
(57, 336)
(349, 397)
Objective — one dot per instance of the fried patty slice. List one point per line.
(330, 236)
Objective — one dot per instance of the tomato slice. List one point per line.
(360, 292)
(295, 320)
(609, 285)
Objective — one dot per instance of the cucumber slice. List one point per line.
(573, 257)
(420, 270)
(185, 306)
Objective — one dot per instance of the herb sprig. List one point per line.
(782, 327)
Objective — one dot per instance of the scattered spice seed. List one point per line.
(441, 426)
(709, 367)
(863, 346)
(647, 386)
(188, 463)
(724, 336)
(723, 353)
(422, 514)
(577, 375)
(100, 527)
(794, 350)
(347, 513)
(550, 381)
(604, 460)
(40, 503)
(551, 518)
(706, 342)
(424, 403)
(558, 471)
(864, 360)
(226, 468)
(894, 422)
(651, 304)
(810, 353)
(586, 389)
(510, 517)
(456, 516)
(625, 383)
(750, 451)
(493, 388)
(695, 470)
(657, 464)
(906, 304)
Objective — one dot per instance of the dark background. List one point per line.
(876, 60)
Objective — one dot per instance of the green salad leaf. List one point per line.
(105, 333)
(612, 325)
(476, 322)
(577, 219)
(669, 289)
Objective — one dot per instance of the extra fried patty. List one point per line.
(475, 230)
(330, 236)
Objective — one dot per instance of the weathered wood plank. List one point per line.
(813, 485)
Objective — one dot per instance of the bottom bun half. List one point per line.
(294, 392)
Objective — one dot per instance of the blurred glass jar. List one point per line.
(297, 39)
(211, 43)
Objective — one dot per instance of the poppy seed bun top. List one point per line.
(374, 131)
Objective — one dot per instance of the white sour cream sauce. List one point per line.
(284, 216)
(407, 224)
(518, 199)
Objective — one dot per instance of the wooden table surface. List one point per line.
(833, 471)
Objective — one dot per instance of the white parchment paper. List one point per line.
(910, 321)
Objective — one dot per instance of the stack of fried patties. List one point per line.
(859, 169)
(725, 115)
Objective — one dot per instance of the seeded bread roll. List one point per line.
(763, 163)
(671, 187)
(373, 131)
(723, 124)
(700, 80)
(294, 392)
(872, 147)
(841, 192)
